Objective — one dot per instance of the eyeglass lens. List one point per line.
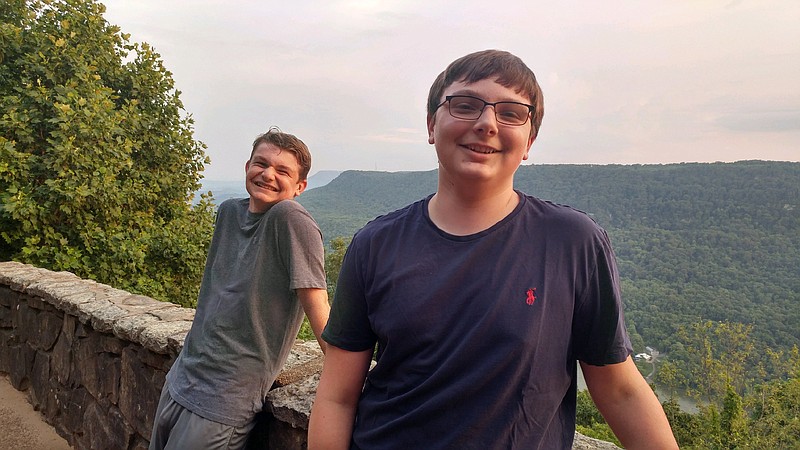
(470, 108)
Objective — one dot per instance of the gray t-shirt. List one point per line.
(247, 314)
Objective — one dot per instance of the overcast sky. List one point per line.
(624, 81)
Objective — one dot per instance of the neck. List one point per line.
(465, 214)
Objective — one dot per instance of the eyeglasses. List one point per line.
(468, 107)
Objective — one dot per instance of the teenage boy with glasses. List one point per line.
(480, 298)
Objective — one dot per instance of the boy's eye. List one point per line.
(465, 106)
(512, 114)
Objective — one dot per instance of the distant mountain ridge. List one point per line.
(322, 178)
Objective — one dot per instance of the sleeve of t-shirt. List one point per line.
(300, 244)
(600, 336)
(348, 326)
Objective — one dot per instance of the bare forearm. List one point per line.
(330, 426)
(639, 421)
(315, 305)
(318, 325)
(334, 411)
(629, 406)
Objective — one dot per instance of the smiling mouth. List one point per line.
(481, 149)
(265, 186)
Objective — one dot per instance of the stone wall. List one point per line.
(93, 360)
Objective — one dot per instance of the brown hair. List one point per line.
(289, 143)
(509, 71)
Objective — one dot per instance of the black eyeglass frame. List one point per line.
(447, 98)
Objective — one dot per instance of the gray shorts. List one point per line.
(177, 428)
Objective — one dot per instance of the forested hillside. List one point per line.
(695, 242)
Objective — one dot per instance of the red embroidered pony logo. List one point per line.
(531, 296)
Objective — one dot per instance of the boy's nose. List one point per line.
(487, 121)
(268, 173)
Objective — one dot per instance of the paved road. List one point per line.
(21, 427)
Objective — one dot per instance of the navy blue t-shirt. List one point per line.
(478, 335)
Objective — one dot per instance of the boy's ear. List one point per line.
(431, 122)
(301, 186)
(528, 150)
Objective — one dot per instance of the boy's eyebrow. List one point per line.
(467, 91)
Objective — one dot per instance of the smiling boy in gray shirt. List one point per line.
(265, 268)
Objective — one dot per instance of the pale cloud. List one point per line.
(401, 135)
(628, 82)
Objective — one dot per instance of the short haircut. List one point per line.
(506, 68)
(289, 143)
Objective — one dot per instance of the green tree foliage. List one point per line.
(767, 415)
(355, 197)
(733, 422)
(686, 427)
(333, 261)
(717, 356)
(97, 157)
(775, 416)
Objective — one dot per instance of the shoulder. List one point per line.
(290, 218)
(288, 210)
(390, 222)
(233, 204)
(383, 235)
(557, 223)
(558, 216)
(232, 208)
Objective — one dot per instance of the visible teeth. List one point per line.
(265, 186)
(485, 150)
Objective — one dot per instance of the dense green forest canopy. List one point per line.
(694, 241)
